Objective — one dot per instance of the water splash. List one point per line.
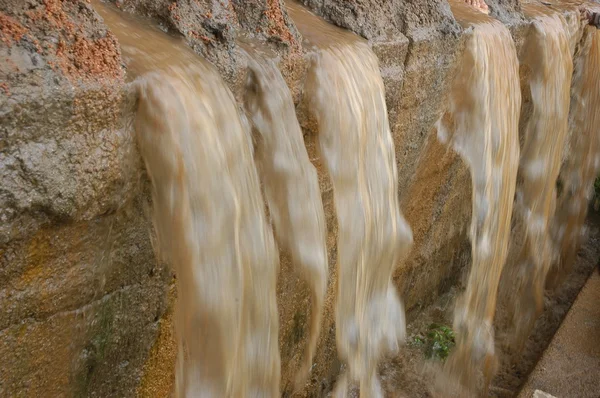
(481, 124)
(346, 96)
(210, 221)
(583, 163)
(291, 188)
(547, 60)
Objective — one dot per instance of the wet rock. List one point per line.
(507, 11)
(80, 286)
(375, 20)
(96, 350)
(213, 28)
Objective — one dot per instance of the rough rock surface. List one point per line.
(80, 288)
(62, 76)
(507, 11)
(64, 37)
(381, 20)
(209, 27)
(212, 28)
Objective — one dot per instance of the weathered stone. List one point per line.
(506, 11)
(208, 26)
(437, 204)
(63, 166)
(96, 350)
(212, 29)
(80, 286)
(64, 267)
(384, 20)
(63, 154)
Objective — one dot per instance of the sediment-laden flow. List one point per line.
(208, 215)
(346, 96)
(547, 59)
(481, 124)
(210, 221)
(291, 187)
(583, 163)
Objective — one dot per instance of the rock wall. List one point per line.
(82, 287)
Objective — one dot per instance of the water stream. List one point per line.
(209, 212)
(347, 99)
(546, 58)
(583, 163)
(481, 124)
(291, 188)
(209, 217)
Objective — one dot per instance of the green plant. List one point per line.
(437, 343)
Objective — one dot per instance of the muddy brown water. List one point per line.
(212, 227)
(481, 124)
(546, 60)
(291, 189)
(347, 98)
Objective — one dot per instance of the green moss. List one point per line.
(298, 327)
(96, 350)
(436, 343)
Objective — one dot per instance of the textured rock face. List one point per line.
(212, 29)
(507, 11)
(377, 19)
(80, 288)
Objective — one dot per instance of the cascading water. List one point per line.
(481, 124)
(546, 57)
(209, 212)
(291, 187)
(583, 163)
(209, 217)
(347, 99)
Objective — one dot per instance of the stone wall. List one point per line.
(83, 292)
(80, 289)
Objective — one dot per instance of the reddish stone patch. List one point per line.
(91, 57)
(10, 30)
(4, 87)
(277, 25)
(74, 53)
(198, 36)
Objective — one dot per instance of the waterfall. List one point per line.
(291, 188)
(583, 163)
(346, 96)
(210, 221)
(481, 124)
(209, 212)
(548, 64)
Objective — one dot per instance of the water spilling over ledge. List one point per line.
(291, 189)
(481, 124)
(581, 168)
(82, 287)
(209, 218)
(346, 96)
(547, 59)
